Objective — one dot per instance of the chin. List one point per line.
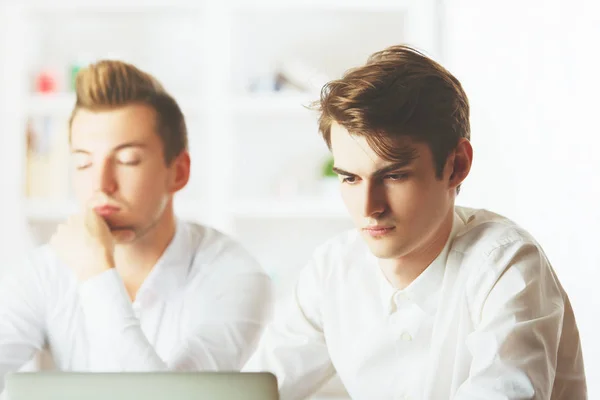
(380, 249)
(121, 242)
(383, 254)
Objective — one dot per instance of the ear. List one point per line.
(460, 163)
(180, 172)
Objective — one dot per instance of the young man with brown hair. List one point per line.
(125, 285)
(425, 299)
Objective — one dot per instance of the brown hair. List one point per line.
(398, 93)
(110, 84)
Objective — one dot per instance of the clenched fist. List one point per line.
(86, 244)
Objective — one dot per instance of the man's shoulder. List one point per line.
(205, 236)
(483, 232)
(39, 261)
(40, 256)
(212, 246)
(490, 244)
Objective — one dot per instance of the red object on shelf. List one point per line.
(45, 82)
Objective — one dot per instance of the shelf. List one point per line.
(294, 208)
(274, 103)
(61, 104)
(51, 104)
(162, 6)
(323, 5)
(40, 210)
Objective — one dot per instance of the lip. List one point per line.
(106, 210)
(378, 230)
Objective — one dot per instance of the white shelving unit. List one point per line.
(256, 154)
(309, 208)
(266, 105)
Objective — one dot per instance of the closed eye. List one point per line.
(130, 162)
(81, 163)
(81, 167)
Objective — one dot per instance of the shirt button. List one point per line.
(406, 337)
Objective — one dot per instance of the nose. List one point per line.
(106, 181)
(374, 200)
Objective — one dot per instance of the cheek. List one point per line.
(416, 202)
(428, 202)
(142, 186)
(82, 185)
(405, 197)
(351, 196)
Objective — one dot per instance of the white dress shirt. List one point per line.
(488, 319)
(202, 307)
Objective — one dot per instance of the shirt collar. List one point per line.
(171, 271)
(424, 290)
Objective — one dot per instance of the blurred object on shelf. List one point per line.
(288, 76)
(75, 67)
(46, 81)
(299, 176)
(329, 183)
(79, 62)
(47, 163)
(264, 81)
(327, 168)
(300, 76)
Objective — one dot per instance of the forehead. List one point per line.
(107, 128)
(352, 153)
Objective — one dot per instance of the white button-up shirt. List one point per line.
(488, 319)
(203, 306)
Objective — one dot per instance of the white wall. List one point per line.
(530, 69)
(14, 239)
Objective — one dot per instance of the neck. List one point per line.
(402, 271)
(136, 260)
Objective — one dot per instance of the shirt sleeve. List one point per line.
(22, 316)
(517, 338)
(228, 323)
(293, 347)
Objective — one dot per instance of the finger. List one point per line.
(89, 215)
(92, 219)
(96, 200)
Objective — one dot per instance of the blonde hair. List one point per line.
(110, 84)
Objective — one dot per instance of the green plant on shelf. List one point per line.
(327, 169)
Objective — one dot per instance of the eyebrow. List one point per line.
(117, 148)
(382, 171)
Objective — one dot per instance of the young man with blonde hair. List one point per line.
(425, 299)
(125, 285)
